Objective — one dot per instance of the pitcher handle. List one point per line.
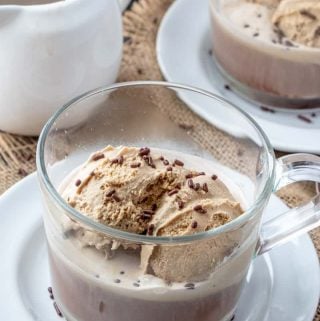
(299, 220)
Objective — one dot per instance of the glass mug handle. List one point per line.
(299, 220)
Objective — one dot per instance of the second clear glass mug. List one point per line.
(150, 114)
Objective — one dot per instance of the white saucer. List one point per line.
(283, 285)
(183, 51)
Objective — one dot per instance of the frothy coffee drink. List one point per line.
(148, 192)
(270, 49)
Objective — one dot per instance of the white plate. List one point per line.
(283, 285)
(183, 46)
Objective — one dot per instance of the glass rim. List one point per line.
(146, 239)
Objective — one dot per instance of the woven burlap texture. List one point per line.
(141, 22)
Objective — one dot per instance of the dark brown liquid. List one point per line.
(87, 301)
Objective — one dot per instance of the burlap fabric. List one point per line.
(141, 22)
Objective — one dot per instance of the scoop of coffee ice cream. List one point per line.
(142, 192)
(299, 20)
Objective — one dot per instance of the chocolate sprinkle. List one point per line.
(78, 182)
(190, 175)
(127, 39)
(190, 183)
(205, 187)
(288, 43)
(166, 162)
(154, 207)
(172, 192)
(114, 161)
(120, 160)
(116, 198)
(180, 204)
(308, 14)
(110, 193)
(117, 281)
(22, 172)
(178, 162)
(161, 158)
(200, 174)
(189, 286)
(194, 224)
(186, 126)
(169, 168)
(150, 229)
(305, 119)
(51, 296)
(136, 284)
(197, 186)
(246, 25)
(313, 115)
(149, 212)
(210, 52)
(214, 177)
(256, 34)
(135, 165)
(199, 209)
(144, 151)
(57, 309)
(101, 306)
(145, 217)
(97, 156)
(50, 289)
(264, 108)
(227, 87)
(122, 272)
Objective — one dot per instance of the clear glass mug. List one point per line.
(87, 286)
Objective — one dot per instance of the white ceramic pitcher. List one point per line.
(51, 51)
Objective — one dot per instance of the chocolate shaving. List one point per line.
(246, 26)
(110, 193)
(256, 34)
(78, 182)
(194, 224)
(178, 162)
(51, 296)
(172, 192)
(199, 174)
(214, 177)
(227, 87)
(144, 151)
(205, 187)
(50, 289)
(305, 119)
(135, 165)
(190, 175)
(97, 156)
(308, 14)
(169, 168)
(154, 207)
(117, 281)
(166, 162)
(199, 209)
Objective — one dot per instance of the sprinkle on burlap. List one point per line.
(17, 153)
